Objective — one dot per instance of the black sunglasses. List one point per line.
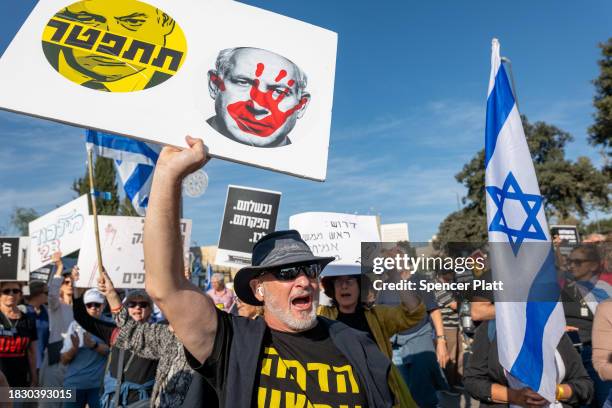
(143, 305)
(312, 271)
(578, 261)
(13, 291)
(93, 304)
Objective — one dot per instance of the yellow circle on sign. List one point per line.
(114, 45)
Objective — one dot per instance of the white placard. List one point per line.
(122, 250)
(59, 230)
(336, 234)
(162, 75)
(394, 232)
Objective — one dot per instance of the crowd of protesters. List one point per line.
(112, 353)
(267, 341)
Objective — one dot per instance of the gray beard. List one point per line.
(307, 321)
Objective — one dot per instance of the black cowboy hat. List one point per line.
(275, 250)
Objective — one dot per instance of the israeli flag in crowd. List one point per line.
(208, 282)
(135, 162)
(529, 319)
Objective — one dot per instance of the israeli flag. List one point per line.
(135, 162)
(529, 319)
(208, 281)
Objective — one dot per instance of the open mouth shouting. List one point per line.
(302, 302)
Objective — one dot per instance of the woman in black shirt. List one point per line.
(485, 379)
(17, 339)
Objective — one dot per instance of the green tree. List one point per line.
(603, 226)
(467, 225)
(568, 188)
(600, 133)
(104, 180)
(127, 209)
(21, 217)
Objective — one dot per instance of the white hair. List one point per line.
(218, 276)
(224, 64)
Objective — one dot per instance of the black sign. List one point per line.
(249, 215)
(41, 274)
(9, 258)
(567, 233)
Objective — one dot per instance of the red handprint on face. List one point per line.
(246, 113)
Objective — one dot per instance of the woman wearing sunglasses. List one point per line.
(17, 338)
(152, 341)
(133, 375)
(343, 284)
(581, 297)
(85, 355)
(36, 307)
(59, 298)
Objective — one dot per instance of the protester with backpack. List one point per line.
(128, 379)
(153, 341)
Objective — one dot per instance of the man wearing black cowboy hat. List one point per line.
(290, 357)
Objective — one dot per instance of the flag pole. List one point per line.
(507, 61)
(93, 207)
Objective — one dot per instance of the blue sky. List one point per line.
(409, 107)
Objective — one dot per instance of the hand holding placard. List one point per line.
(178, 163)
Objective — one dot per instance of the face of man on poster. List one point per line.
(126, 18)
(259, 96)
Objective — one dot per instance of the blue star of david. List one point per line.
(531, 203)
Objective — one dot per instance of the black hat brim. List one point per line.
(243, 278)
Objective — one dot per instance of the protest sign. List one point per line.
(41, 274)
(394, 232)
(46, 272)
(336, 234)
(569, 236)
(171, 72)
(567, 233)
(249, 215)
(14, 258)
(122, 251)
(59, 230)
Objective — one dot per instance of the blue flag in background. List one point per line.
(209, 273)
(135, 162)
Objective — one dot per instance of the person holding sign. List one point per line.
(127, 372)
(152, 341)
(247, 360)
(60, 316)
(17, 339)
(379, 322)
